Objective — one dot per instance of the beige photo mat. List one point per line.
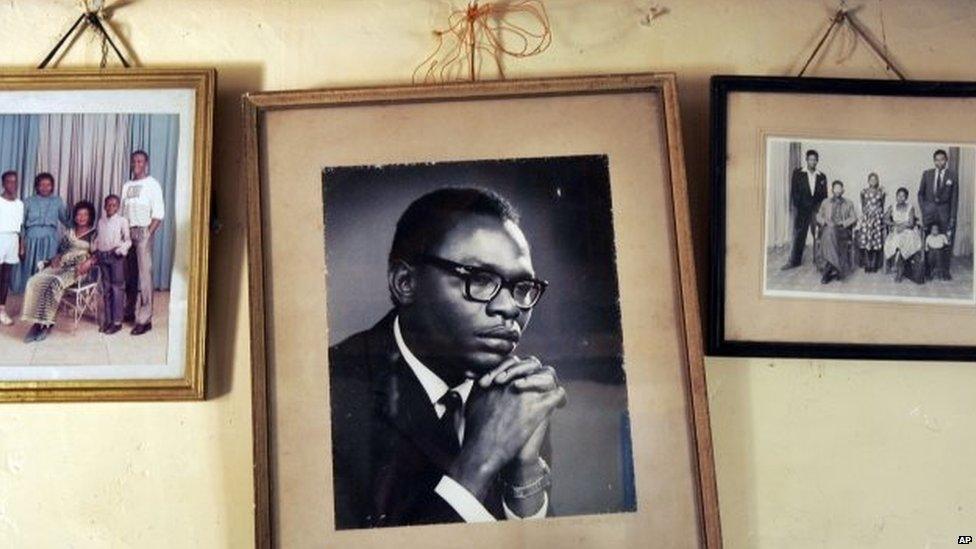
(296, 144)
(755, 116)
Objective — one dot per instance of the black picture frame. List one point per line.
(717, 344)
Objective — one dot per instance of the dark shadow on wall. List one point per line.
(227, 283)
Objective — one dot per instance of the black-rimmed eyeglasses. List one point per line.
(482, 285)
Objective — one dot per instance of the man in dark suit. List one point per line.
(808, 188)
(434, 418)
(938, 198)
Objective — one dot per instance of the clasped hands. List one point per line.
(506, 420)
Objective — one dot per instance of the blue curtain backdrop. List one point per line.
(22, 136)
(18, 148)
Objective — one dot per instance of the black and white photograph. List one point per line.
(869, 220)
(475, 349)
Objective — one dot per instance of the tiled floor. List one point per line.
(68, 345)
(805, 278)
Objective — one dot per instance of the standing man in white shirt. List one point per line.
(11, 243)
(808, 188)
(144, 209)
(938, 198)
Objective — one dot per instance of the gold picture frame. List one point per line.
(191, 92)
(291, 135)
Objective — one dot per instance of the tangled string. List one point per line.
(485, 31)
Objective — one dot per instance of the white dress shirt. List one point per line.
(113, 235)
(457, 496)
(812, 179)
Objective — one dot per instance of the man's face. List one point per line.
(111, 206)
(467, 334)
(838, 191)
(812, 162)
(139, 166)
(10, 185)
(940, 161)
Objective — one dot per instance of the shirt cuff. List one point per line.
(541, 513)
(463, 501)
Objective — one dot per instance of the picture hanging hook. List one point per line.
(90, 16)
(847, 15)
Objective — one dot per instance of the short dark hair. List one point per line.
(140, 152)
(901, 190)
(83, 205)
(7, 174)
(935, 226)
(942, 152)
(837, 182)
(433, 215)
(115, 196)
(41, 177)
(812, 152)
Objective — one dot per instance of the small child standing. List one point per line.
(11, 245)
(936, 246)
(111, 246)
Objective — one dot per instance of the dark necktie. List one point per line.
(938, 182)
(451, 420)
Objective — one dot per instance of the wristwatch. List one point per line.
(535, 487)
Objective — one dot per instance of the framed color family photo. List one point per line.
(475, 317)
(103, 233)
(843, 218)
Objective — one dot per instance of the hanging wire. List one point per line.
(842, 16)
(482, 31)
(90, 17)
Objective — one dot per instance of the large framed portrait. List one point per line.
(475, 317)
(104, 219)
(843, 218)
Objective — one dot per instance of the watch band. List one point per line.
(535, 487)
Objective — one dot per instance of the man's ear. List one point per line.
(402, 279)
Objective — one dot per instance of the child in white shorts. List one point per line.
(11, 220)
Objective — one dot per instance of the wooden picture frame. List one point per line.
(881, 127)
(85, 126)
(292, 138)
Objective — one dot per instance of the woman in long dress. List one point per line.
(44, 214)
(903, 240)
(870, 237)
(73, 261)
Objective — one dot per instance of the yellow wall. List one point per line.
(809, 453)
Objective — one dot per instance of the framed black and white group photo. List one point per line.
(843, 218)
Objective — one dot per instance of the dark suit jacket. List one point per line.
(801, 199)
(389, 449)
(930, 199)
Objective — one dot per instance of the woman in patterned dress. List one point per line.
(73, 261)
(871, 235)
(903, 240)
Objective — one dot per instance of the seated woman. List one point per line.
(836, 219)
(903, 241)
(73, 261)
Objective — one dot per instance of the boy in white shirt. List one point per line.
(11, 245)
(111, 246)
(936, 248)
